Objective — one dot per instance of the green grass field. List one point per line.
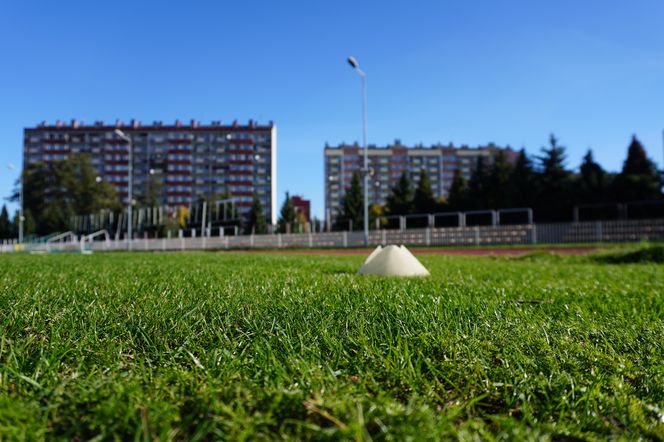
(200, 346)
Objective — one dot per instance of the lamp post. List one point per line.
(21, 218)
(208, 229)
(365, 169)
(122, 135)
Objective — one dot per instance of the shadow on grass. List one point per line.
(339, 271)
(653, 255)
(538, 257)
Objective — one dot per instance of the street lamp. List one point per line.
(365, 170)
(122, 135)
(21, 218)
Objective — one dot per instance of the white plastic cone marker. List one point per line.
(393, 261)
(373, 255)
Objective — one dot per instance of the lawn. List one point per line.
(244, 346)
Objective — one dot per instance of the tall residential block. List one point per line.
(387, 164)
(187, 162)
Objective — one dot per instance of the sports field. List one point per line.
(245, 346)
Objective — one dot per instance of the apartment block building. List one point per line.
(186, 161)
(387, 164)
(302, 206)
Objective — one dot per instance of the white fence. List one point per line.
(582, 232)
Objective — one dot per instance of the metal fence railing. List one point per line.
(522, 234)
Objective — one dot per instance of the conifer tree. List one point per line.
(553, 173)
(523, 181)
(5, 224)
(554, 200)
(352, 205)
(499, 191)
(478, 186)
(256, 222)
(458, 196)
(637, 161)
(424, 200)
(287, 215)
(400, 202)
(639, 179)
(592, 180)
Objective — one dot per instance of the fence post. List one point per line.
(477, 235)
(345, 236)
(384, 237)
(428, 236)
(311, 240)
(598, 228)
(279, 240)
(251, 240)
(534, 234)
(163, 244)
(402, 222)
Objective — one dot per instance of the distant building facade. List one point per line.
(390, 162)
(302, 206)
(188, 162)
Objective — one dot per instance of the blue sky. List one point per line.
(510, 72)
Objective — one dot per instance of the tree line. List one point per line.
(57, 191)
(54, 192)
(542, 182)
(289, 221)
